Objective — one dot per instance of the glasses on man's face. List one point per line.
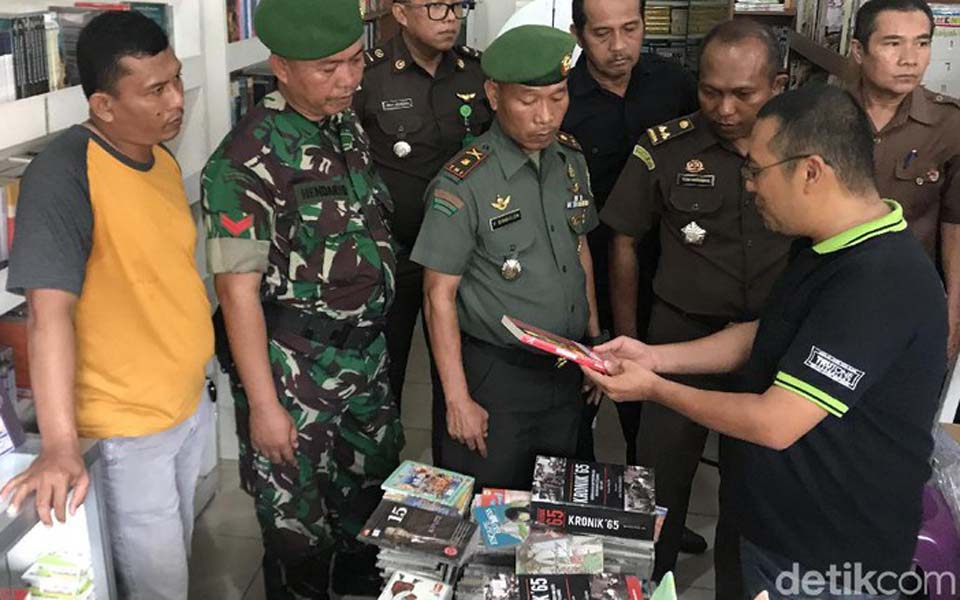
(438, 11)
(750, 170)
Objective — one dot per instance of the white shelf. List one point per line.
(8, 301)
(39, 116)
(244, 53)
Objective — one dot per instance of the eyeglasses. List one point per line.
(438, 11)
(749, 172)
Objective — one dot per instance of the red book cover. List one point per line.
(553, 344)
(102, 6)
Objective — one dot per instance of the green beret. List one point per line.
(308, 29)
(529, 54)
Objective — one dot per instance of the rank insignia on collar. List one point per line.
(501, 203)
(694, 166)
(693, 234)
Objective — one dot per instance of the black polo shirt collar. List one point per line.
(891, 222)
(581, 82)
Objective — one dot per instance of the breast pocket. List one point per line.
(507, 235)
(921, 183)
(693, 202)
(401, 124)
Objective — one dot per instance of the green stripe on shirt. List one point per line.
(817, 396)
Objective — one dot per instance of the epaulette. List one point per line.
(466, 161)
(945, 99)
(373, 56)
(468, 51)
(670, 130)
(569, 141)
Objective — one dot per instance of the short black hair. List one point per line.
(742, 29)
(580, 16)
(866, 20)
(824, 120)
(111, 37)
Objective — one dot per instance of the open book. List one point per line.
(554, 344)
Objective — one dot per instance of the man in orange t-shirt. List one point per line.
(119, 329)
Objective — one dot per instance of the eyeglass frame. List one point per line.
(467, 5)
(749, 173)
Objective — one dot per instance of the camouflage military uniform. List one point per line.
(299, 202)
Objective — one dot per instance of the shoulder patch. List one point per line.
(644, 155)
(445, 202)
(466, 161)
(468, 51)
(669, 130)
(569, 141)
(374, 56)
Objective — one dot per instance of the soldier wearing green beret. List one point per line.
(504, 233)
(304, 265)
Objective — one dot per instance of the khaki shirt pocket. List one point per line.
(921, 182)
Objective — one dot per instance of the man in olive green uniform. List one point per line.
(717, 263)
(916, 132)
(297, 238)
(504, 234)
(420, 103)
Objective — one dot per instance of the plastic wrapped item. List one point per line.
(946, 471)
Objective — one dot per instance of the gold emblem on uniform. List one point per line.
(460, 64)
(693, 234)
(571, 174)
(566, 64)
(683, 124)
(664, 132)
(694, 166)
(501, 203)
(511, 268)
(400, 64)
(466, 97)
(378, 53)
(402, 149)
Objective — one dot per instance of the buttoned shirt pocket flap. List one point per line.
(508, 233)
(400, 123)
(694, 201)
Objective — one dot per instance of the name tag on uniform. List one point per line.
(313, 190)
(505, 219)
(698, 180)
(396, 104)
(578, 202)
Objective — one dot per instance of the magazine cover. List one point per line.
(502, 525)
(604, 586)
(405, 586)
(398, 526)
(430, 483)
(553, 343)
(548, 552)
(421, 503)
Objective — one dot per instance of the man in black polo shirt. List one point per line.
(615, 95)
(841, 374)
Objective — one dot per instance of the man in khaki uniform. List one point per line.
(916, 132)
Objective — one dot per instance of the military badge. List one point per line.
(501, 203)
(693, 234)
(694, 166)
(235, 228)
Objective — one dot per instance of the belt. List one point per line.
(709, 321)
(319, 328)
(516, 357)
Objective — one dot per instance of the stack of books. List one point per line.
(419, 525)
(759, 6)
(563, 587)
(616, 503)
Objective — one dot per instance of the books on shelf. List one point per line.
(247, 89)
(372, 8)
(240, 19)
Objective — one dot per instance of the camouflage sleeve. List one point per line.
(448, 235)
(238, 217)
